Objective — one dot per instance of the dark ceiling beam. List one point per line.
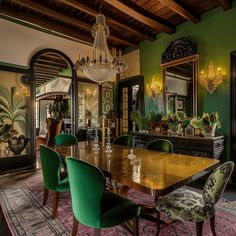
(43, 75)
(40, 80)
(142, 15)
(110, 19)
(48, 58)
(52, 63)
(78, 23)
(226, 4)
(45, 68)
(46, 24)
(48, 65)
(39, 72)
(182, 10)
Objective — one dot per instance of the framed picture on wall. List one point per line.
(179, 105)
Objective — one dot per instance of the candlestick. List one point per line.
(103, 131)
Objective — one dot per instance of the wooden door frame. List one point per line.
(233, 110)
(129, 82)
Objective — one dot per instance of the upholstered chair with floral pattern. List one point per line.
(186, 205)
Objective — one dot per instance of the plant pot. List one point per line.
(209, 131)
(174, 129)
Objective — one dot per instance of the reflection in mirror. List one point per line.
(135, 91)
(179, 88)
(180, 68)
(88, 97)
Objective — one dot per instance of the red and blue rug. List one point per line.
(21, 200)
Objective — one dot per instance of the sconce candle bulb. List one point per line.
(153, 90)
(212, 81)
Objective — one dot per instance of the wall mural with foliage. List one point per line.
(14, 113)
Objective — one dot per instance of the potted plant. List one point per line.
(207, 123)
(174, 122)
(135, 117)
(210, 122)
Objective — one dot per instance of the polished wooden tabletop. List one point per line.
(151, 172)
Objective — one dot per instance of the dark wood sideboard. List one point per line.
(194, 146)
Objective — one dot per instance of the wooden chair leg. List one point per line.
(212, 223)
(158, 222)
(199, 226)
(96, 232)
(45, 195)
(136, 226)
(54, 204)
(75, 226)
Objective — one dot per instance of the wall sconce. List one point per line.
(153, 90)
(213, 80)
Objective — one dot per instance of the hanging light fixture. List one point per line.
(100, 66)
(153, 90)
(212, 80)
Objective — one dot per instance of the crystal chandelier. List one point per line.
(212, 81)
(100, 65)
(153, 90)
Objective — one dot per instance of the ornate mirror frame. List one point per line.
(179, 52)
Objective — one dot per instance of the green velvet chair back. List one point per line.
(51, 167)
(126, 140)
(162, 145)
(65, 139)
(87, 184)
(216, 183)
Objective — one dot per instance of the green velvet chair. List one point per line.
(186, 205)
(92, 205)
(162, 145)
(65, 139)
(126, 140)
(51, 168)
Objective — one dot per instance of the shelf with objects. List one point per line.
(212, 147)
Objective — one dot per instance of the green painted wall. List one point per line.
(215, 36)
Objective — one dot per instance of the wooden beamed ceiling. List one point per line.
(48, 67)
(130, 21)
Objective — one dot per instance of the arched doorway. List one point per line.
(54, 90)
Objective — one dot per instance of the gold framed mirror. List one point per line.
(180, 73)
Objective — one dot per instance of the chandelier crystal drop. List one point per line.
(100, 66)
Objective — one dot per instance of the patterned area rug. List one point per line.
(21, 201)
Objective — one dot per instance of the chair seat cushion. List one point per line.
(184, 205)
(116, 210)
(63, 186)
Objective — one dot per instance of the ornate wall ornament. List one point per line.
(179, 48)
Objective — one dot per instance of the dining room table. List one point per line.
(151, 172)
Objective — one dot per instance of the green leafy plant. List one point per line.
(12, 108)
(211, 119)
(136, 117)
(172, 118)
(5, 131)
(206, 120)
(59, 109)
